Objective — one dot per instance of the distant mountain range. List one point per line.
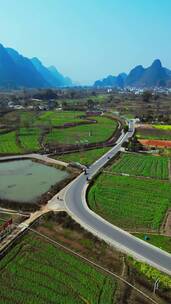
(139, 77)
(17, 71)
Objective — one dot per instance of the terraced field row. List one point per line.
(142, 165)
(37, 271)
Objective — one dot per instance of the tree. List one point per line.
(90, 104)
(147, 95)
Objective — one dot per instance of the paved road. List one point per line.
(76, 206)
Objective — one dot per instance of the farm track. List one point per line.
(169, 169)
(166, 225)
(44, 158)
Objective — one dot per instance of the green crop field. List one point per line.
(132, 203)
(30, 118)
(162, 127)
(55, 118)
(19, 117)
(142, 165)
(83, 100)
(29, 139)
(97, 132)
(30, 126)
(35, 271)
(84, 157)
(27, 117)
(8, 144)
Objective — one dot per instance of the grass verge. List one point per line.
(83, 157)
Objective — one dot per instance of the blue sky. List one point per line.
(89, 39)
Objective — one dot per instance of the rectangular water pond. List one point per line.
(26, 180)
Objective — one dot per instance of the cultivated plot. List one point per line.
(83, 157)
(91, 133)
(142, 165)
(8, 143)
(29, 139)
(129, 202)
(153, 133)
(35, 270)
(58, 118)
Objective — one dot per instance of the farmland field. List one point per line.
(162, 127)
(142, 165)
(18, 117)
(83, 100)
(83, 157)
(42, 118)
(31, 127)
(58, 118)
(8, 143)
(35, 271)
(153, 133)
(29, 139)
(156, 143)
(100, 131)
(132, 203)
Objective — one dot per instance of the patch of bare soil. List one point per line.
(144, 126)
(156, 143)
(167, 227)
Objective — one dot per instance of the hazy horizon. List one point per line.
(88, 41)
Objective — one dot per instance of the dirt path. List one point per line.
(40, 157)
(167, 227)
(169, 169)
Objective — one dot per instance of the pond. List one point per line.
(26, 180)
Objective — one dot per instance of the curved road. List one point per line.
(75, 201)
